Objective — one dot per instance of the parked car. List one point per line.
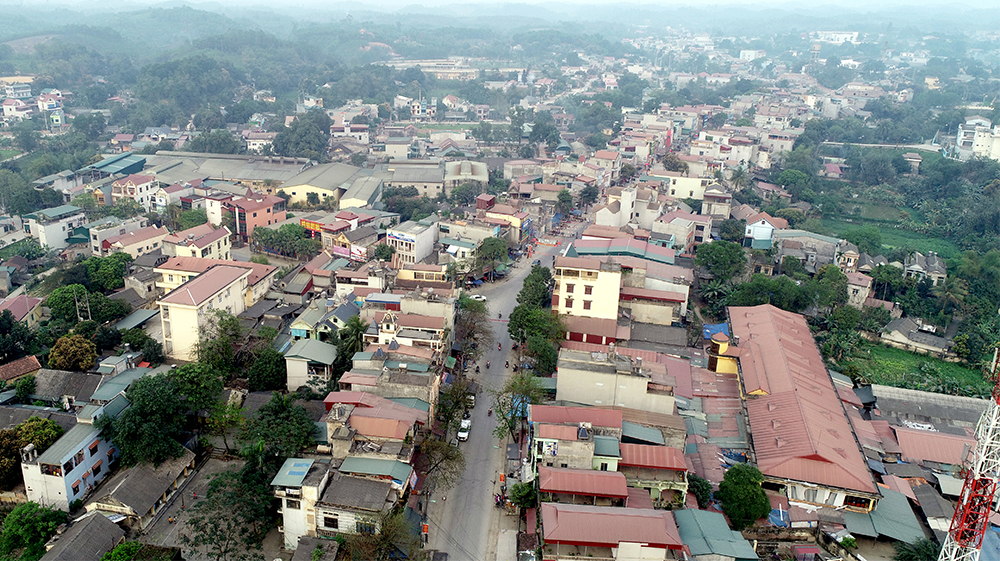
(463, 430)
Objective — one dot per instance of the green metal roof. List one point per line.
(893, 517)
(69, 443)
(377, 466)
(313, 351)
(119, 163)
(644, 434)
(136, 318)
(292, 472)
(55, 212)
(118, 384)
(412, 403)
(607, 446)
(707, 533)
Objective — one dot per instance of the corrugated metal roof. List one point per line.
(607, 446)
(659, 457)
(292, 472)
(921, 445)
(707, 533)
(800, 429)
(398, 471)
(71, 442)
(575, 415)
(608, 526)
(582, 482)
(641, 433)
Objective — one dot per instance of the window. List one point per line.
(586, 304)
(587, 289)
(331, 522)
(291, 504)
(569, 288)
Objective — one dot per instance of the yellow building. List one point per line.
(186, 310)
(179, 270)
(586, 287)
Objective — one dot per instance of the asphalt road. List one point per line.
(464, 521)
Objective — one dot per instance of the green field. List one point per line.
(893, 238)
(8, 153)
(899, 368)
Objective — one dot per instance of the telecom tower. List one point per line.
(972, 515)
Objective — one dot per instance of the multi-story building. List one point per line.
(200, 241)
(71, 468)
(135, 243)
(179, 270)
(586, 287)
(184, 311)
(52, 226)
(140, 188)
(413, 241)
(248, 212)
(106, 228)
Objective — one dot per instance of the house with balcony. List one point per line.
(53, 226)
(200, 241)
(659, 469)
(74, 464)
(140, 188)
(184, 311)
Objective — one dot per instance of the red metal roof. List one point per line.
(799, 426)
(557, 432)
(659, 457)
(582, 482)
(640, 498)
(604, 526)
(921, 445)
(555, 414)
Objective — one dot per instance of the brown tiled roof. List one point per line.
(19, 367)
(582, 482)
(258, 271)
(19, 306)
(800, 429)
(199, 289)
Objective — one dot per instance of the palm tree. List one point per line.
(352, 335)
(951, 292)
(739, 178)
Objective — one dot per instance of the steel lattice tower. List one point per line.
(982, 476)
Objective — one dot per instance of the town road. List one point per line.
(463, 520)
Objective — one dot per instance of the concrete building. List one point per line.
(136, 243)
(309, 363)
(414, 241)
(184, 311)
(104, 229)
(586, 287)
(52, 226)
(140, 188)
(200, 241)
(613, 380)
(74, 464)
(176, 271)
